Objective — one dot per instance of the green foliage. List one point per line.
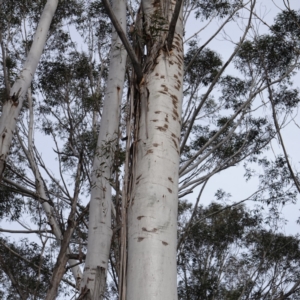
(205, 66)
(222, 8)
(266, 53)
(230, 255)
(28, 271)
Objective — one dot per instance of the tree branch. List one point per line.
(25, 231)
(186, 136)
(295, 179)
(173, 24)
(135, 63)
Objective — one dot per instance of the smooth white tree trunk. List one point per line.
(12, 107)
(100, 232)
(152, 215)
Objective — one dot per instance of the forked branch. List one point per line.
(135, 63)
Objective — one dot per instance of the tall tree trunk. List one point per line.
(100, 232)
(12, 106)
(152, 215)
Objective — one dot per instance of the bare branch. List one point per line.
(135, 63)
(173, 24)
(25, 231)
(216, 80)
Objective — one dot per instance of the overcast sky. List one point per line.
(232, 180)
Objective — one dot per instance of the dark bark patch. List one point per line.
(174, 97)
(166, 126)
(175, 76)
(156, 74)
(175, 113)
(153, 230)
(160, 128)
(165, 243)
(162, 76)
(175, 143)
(149, 151)
(140, 239)
(156, 3)
(162, 92)
(154, 120)
(173, 135)
(157, 112)
(140, 217)
(139, 177)
(155, 145)
(174, 103)
(171, 179)
(170, 191)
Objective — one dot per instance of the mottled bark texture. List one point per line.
(152, 214)
(100, 232)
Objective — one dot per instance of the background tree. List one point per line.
(230, 254)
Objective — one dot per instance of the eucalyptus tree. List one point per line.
(133, 149)
(100, 206)
(231, 254)
(15, 96)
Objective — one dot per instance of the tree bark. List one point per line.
(152, 215)
(12, 106)
(100, 232)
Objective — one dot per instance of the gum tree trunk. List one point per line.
(100, 232)
(13, 105)
(152, 214)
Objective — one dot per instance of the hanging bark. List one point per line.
(12, 106)
(152, 212)
(100, 232)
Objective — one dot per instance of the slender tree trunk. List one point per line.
(62, 259)
(100, 232)
(13, 105)
(40, 188)
(152, 215)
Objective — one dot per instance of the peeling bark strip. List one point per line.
(100, 232)
(13, 105)
(152, 216)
